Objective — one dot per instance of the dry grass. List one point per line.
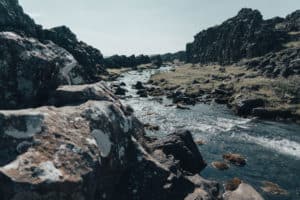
(277, 91)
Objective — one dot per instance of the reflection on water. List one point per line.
(272, 149)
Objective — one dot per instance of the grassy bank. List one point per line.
(279, 93)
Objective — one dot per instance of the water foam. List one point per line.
(283, 146)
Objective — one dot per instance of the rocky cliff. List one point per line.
(246, 35)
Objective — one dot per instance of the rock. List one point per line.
(32, 70)
(156, 60)
(120, 91)
(139, 86)
(182, 147)
(267, 113)
(243, 192)
(235, 159)
(233, 184)
(15, 20)
(244, 107)
(142, 93)
(285, 63)
(119, 61)
(70, 146)
(78, 94)
(182, 107)
(172, 57)
(199, 142)
(122, 84)
(273, 188)
(151, 127)
(244, 41)
(88, 57)
(220, 165)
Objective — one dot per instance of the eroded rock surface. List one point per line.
(92, 147)
(30, 70)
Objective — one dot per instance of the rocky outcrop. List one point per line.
(92, 147)
(291, 22)
(90, 58)
(31, 70)
(133, 61)
(282, 63)
(246, 35)
(13, 19)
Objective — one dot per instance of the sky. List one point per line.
(144, 26)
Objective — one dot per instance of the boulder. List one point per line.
(120, 91)
(244, 107)
(56, 153)
(243, 192)
(31, 70)
(273, 188)
(235, 159)
(267, 113)
(139, 85)
(220, 165)
(232, 184)
(78, 94)
(182, 147)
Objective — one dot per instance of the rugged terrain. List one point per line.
(66, 136)
(248, 63)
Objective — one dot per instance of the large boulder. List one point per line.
(64, 153)
(244, 107)
(243, 192)
(30, 70)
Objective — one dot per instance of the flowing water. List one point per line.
(272, 149)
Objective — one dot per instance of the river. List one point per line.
(272, 149)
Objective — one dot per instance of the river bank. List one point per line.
(218, 131)
(244, 90)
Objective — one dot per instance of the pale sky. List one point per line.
(144, 26)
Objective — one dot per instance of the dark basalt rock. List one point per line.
(246, 35)
(282, 63)
(171, 57)
(31, 70)
(139, 86)
(90, 58)
(156, 60)
(265, 113)
(13, 19)
(244, 107)
(182, 147)
(133, 61)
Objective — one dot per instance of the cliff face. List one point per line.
(246, 35)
